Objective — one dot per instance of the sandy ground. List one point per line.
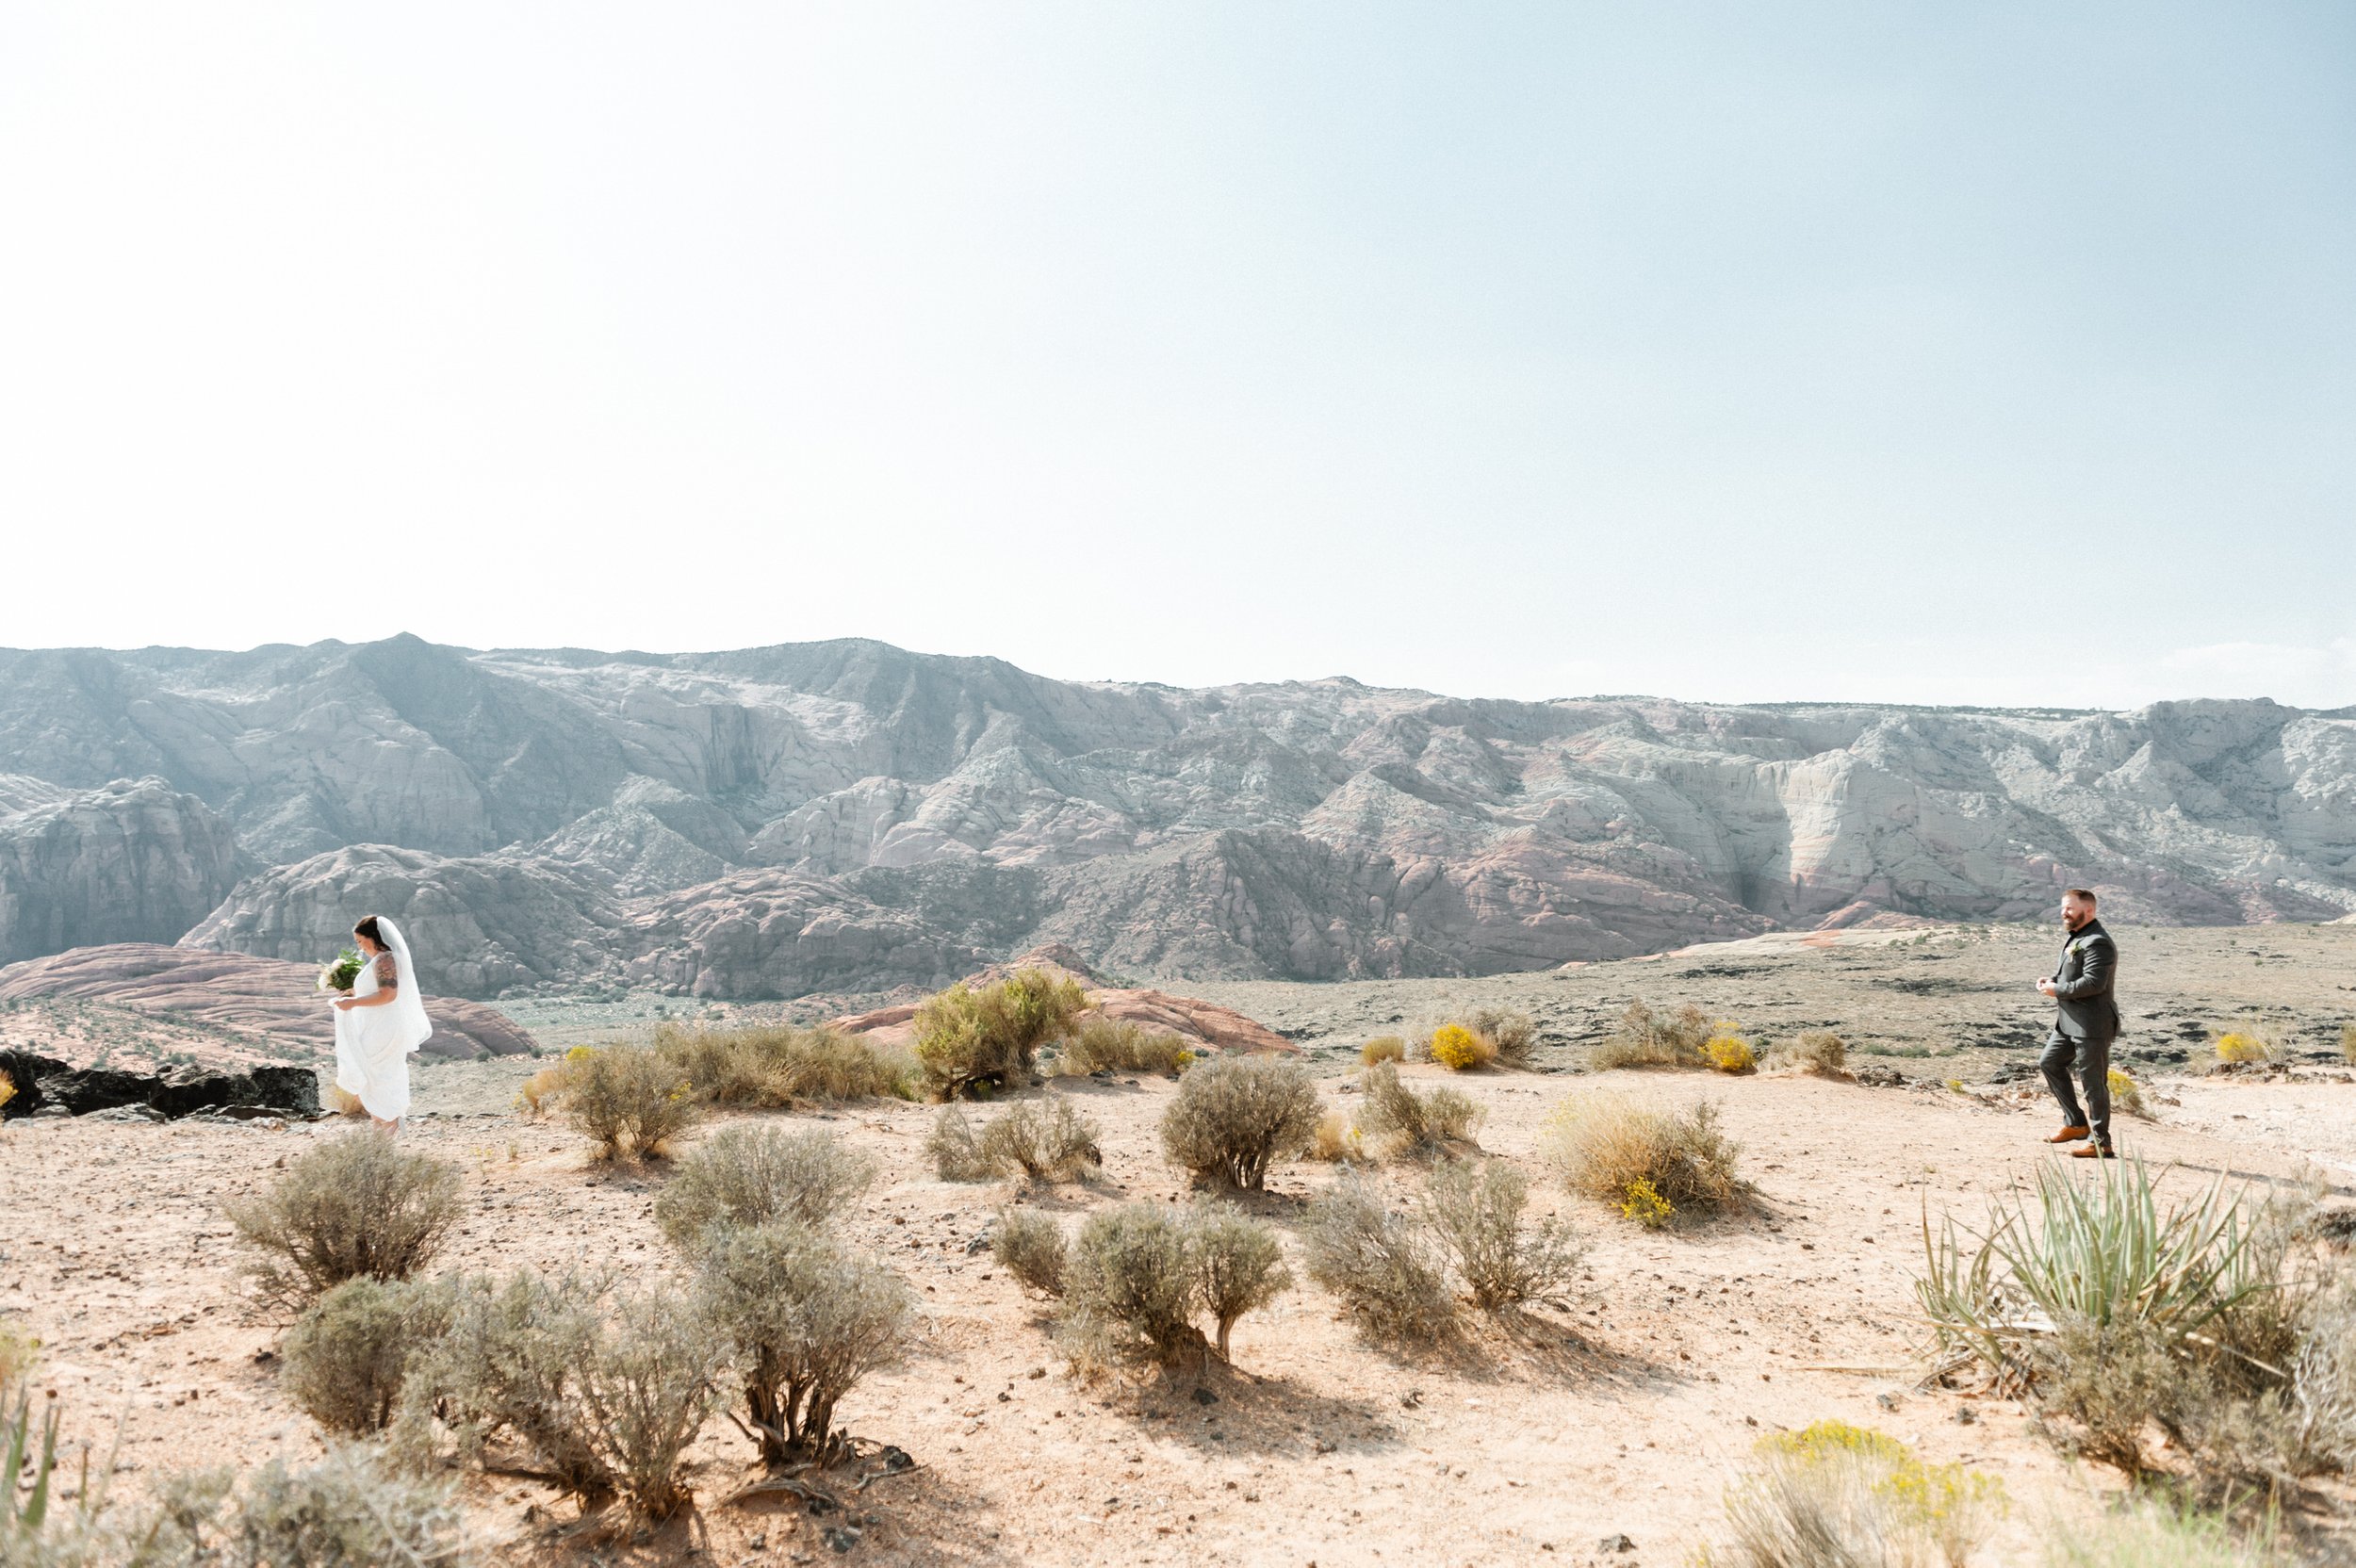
(1531, 1443)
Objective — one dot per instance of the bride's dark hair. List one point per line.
(367, 927)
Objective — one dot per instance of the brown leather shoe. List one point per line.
(2093, 1151)
(2070, 1135)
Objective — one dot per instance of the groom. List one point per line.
(2086, 1021)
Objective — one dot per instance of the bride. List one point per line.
(380, 1023)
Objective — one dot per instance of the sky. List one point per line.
(1881, 352)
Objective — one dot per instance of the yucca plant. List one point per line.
(2100, 1253)
(24, 1515)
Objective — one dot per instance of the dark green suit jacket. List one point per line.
(2084, 1008)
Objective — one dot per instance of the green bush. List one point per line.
(1477, 1217)
(346, 1356)
(353, 1207)
(1379, 1263)
(970, 1039)
(750, 1175)
(1237, 1115)
(1030, 1246)
(626, 1100)
(808, 1319)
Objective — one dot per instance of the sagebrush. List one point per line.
(743, 1176)
(1646, 1038)
(1030, 1246)
(1235, 1116)
(1379, 1262)
(1476, 1215)
(1101, 1044)
(1513, 1035)
(808, 1319)
(353, 1207)
(1838, 1495)
(1407, 1125)
(627, 1100)
(1136, 1279)
(346, 1355)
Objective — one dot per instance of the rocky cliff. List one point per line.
(848, 814)
(117, 862)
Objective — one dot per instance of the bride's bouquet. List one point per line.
(338, 972)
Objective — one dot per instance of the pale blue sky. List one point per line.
(1927, 354)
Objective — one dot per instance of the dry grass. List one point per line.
(1030, 1246)
(346, 1357)
(1645, 1038)
(1381, 1264)
(1382, 1047)
(626, 1100)
(1236, 1116)
(355, 1206)
(777, 1065)
(808, 1319)
(1615, 1150)
(969, 1038)
(19, 1353)
(1477, 1217)
(746, 1176)
(1102, 1044)
(1820, 1052)
(1335, 1139)
(1408, 1126)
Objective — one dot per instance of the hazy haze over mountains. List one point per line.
(848, 815)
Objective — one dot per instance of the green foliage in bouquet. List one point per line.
(339, 975)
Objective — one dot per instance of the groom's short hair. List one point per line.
(2085, 895)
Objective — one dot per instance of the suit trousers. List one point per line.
(2092, 1059)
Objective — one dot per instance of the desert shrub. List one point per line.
(1101, 1044)
(955, 1149)
(1048, 1141)
(351, 1510)
(1820, 1052)
(1238, 1266)
(2127, 1095)
(777, 1064)
(539, 1093)
(2144, 1532)
(627, 1099)
(344, 1358)
(18, 1352)
(1236, 1115)
(809, 1318)
(1646, 1038)
(1731, 1053)
(1458, 1049)
(1840, 1496)
(2192, 1318)
(1130, 1287)
(1644, 1204)
(2348, 1042)
(2250, 1043)
(1477, 1217)
(1030, 1246)
(1411, 1126)
(602, 1393)
(1334, 1139)
(968, 1037)
(352, 1206)
(1512, 1035)
(1382, 1047)
(750, 1175)
(2323, 1378)
(1603, 1145)
(1379, 1263)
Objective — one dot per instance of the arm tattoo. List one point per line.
(387, 973)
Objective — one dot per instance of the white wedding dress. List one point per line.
(373, 1044)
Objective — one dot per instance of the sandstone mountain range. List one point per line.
(846, 815)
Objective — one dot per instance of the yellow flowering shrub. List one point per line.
(1865, 1491)
(1731, 1052)
(1644, 1204)
(2242, 1048)
(2126, 1094)
(1457, 1048)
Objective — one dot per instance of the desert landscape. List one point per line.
(1603, 1425)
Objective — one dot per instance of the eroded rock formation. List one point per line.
(122, 861)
